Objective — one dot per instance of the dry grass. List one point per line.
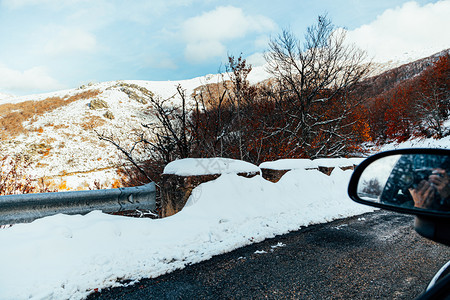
(92, 122)
(13, 115)
(59, 126)
(42, 148)
(85, 139)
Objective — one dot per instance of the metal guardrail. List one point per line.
(28, 207)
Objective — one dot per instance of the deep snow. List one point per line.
(67, 257)
(207, 166)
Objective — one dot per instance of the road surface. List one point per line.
(372, 256)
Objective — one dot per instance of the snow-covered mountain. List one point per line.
(62, 143)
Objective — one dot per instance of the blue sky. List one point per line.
(48, 45)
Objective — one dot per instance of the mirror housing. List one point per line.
(398, 181)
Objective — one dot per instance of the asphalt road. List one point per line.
(373, 256)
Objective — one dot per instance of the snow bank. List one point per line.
(337, 162)
(287, 164)
(62, 257)
(292, 164)
(208, 166)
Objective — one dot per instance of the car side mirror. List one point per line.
(412, 181)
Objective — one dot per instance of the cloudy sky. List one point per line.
(48, 45)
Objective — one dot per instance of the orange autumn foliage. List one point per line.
(416, 107)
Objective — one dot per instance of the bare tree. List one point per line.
(212, 119)
(169, 135)
(127, 152)
(312, 76)
(241, 96)
(165, 139)
(433, 111)
(223, 110)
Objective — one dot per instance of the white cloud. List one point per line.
(224, 23)
(197, 52)
(256, 59)
(407, 31)
(68, 40)
(34, 79)
(205, 34)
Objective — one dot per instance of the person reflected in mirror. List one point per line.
(423, 195)
(419, 180)
(441, 181)
(433, 193)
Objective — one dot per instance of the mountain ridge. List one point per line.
(63, 147)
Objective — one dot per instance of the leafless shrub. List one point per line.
(14, 178)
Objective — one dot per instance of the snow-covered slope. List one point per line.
(443, 143)
(69, 257)
(63, 145)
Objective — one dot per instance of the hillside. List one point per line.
(57, 131)
(388, 78)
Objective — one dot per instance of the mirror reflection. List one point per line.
(409, 180)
